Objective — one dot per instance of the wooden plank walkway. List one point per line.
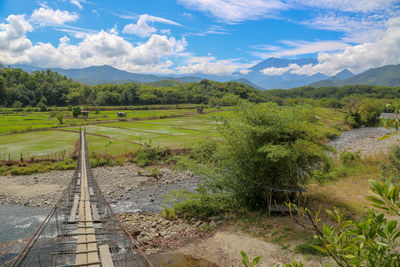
(106, 256)
(73, 210)
(86, 249)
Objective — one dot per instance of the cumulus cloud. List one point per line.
(47, 16)
(100, 48)
(142, 27)
(232, 11)
(210, 65)
(357, 58)
(106, 48)
(13, 38)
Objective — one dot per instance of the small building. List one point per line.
(85, 113)
(121, 114)
(200, 110)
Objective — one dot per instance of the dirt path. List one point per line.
(224, 249)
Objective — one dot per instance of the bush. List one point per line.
(149, 154)
(202, 204)
(42, 107)
(348, 158)
(76, 111)
(391, 168)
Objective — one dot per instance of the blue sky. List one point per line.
(216, 37)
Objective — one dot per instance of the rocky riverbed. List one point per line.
(365, 141)
(128, 188)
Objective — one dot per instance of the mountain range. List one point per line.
(387, 75)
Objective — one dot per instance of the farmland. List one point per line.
(40, 134)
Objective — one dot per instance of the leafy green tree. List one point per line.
(268, 146)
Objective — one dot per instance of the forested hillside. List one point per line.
(337, 92)
(46, 88)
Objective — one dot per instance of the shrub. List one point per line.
(348, 158)
(76, 111)
(149, 154)
(42, 107)
(202, 204)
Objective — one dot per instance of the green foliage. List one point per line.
(309, 247)
(60, 118)
(337, 92)
(149, 154)
(76, 111)
(369, 241)
(40, 167)
(268, 146)
(246, 262)
(391, 168)
(30, 89)
(362, 112)
(169, 213)
(201, 204)
(42, 107)
(349, 158)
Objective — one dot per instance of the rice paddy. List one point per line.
(40, 134)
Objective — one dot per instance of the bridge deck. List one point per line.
(86, 253)
(82, 229)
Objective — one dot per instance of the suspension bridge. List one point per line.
(82, 229)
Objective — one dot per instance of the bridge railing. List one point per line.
(55, 242)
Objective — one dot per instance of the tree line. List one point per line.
(337, 92)
(47, 88)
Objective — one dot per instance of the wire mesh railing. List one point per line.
(55, 242)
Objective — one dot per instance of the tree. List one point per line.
(265, 146)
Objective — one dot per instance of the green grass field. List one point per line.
(40, 134)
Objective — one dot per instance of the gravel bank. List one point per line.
(128, 188)
(365, 141)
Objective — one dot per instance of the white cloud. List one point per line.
(143, 29)
(279, 71)
(358, 29)
(360, 57)
(245, 71)
(13, 36)
(77, 3)
(348, 5)
(232, 11)
(106, 48)
(100, 48)
(210, 65)
(298, 47)
(47, 16)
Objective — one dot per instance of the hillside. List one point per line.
(388, 75)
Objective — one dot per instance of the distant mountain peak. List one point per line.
(282, 63)
(342, 75)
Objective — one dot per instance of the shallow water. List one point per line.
(19, 221)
